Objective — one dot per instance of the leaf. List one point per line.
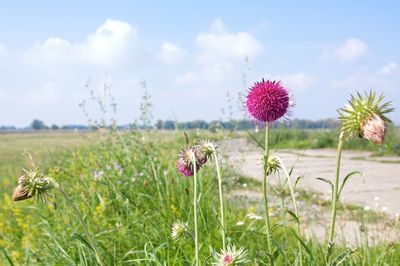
(297, 181)
(306, 248)
(326, 181)
(342, 257)
(83, 240)
(254, 138)
(7, 257)
(347, 178)
(293, 215)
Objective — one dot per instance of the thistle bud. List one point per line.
(365, 116)
(33, 183)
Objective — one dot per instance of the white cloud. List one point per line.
(388, 69)
(186, 78)
(350, 50)
(219, 45)
(3, 50)
(106, 46)
(171, 54)
(296, 82)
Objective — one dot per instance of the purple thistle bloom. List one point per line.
(267, 101)
(185, 164)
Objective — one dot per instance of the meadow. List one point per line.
(120, 192)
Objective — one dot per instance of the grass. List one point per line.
(124, 216)
(327, 138)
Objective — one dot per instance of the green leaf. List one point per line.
(254, 138)
(346, 179)
(342, 257)
(293, 215)
(7, 257)
(83, 241)
(297, 181)
(306, 248)
(326, 181)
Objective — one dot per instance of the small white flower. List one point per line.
(376, 198)
(253, 216)
(240, 223)
(384, 208)
(244, 184)
(367, 208)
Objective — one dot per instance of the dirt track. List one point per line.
(378, 188)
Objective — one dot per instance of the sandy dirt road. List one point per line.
(378, 188)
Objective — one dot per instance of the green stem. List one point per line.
(221, 201)
(294, 201)
(264, 189)
(84, 226)
(196, 239)
(335, 196)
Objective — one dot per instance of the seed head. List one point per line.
(267, 101)
(204, 151)
(179, 230)
(33, 183)
(231, 256)
(364, 116)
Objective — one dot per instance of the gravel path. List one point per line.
(378, 188)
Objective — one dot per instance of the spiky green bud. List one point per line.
(33, 184)
(365, 116)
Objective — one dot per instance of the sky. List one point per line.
(194, 56)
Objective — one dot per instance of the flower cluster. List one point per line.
(33, 183)
(194, 157)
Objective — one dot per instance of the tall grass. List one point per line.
(128, 193)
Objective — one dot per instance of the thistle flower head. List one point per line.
(231, 256)
(179, 230)
(204, 151)
(33, 183)
(267, 101)
(364, 116)
(186, 162)
(273, 164)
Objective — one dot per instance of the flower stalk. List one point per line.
(196, 237)
(221, 201)
(264, 190)
(296, 212)
(335, 196)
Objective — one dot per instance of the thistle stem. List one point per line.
(221, 202)
(264, 189)
(196, 239)
(335, 196)
(295, 209)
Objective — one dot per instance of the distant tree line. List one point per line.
(242, 124)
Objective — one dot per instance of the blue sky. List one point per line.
(191, 54)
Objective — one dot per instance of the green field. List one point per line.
(124, 193)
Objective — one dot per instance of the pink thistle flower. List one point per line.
(185, 162)
(267, 101)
